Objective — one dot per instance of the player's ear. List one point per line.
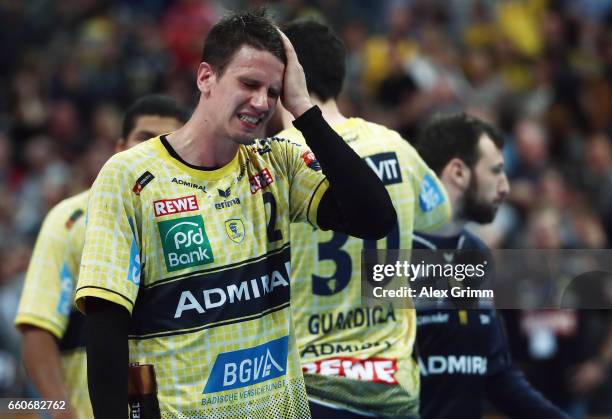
(205, 77)
(457, 173)
(120, 145)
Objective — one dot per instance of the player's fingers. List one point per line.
(289, 51)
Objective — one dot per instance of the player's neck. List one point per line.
(450, 229)
(197, 144)
(457, 222)
(330, 110)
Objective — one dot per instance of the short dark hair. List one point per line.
(233, 31)
(322, 55)
(452, 136)
(158, 105)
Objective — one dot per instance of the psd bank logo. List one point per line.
(185, 243)
(250, 366)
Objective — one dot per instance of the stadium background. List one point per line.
(539, 70)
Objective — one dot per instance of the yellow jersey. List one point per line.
(48, 293)
(352, 356)
(201, 260)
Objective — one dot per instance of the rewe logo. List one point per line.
(185, 243)
(386, 167)
(377, 370)
(260, 181)
(176, 205)
(248, 366)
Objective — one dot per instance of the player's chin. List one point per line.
(245, 139)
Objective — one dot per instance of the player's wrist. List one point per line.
(301, 107)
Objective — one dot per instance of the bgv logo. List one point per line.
(248, 366)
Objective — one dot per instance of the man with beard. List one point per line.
(463, 352)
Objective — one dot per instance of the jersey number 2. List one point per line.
(271, 231)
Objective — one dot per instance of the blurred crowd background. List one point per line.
(541, 71)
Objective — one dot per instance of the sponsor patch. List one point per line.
(185, 243)
(376, 370)
(386, 166)
(66, 289)
(235, 230)
(310, 160)
(453, 365)
(430, 196)
(210, 297)
(134, 268)
(250, 366)
(260, 181)
(189, 184)
(142, 181)
(73, 218)
(175, 205)
(225, 193)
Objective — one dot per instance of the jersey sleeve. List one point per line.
(110, 265)
(432, 206)
(46, 299)
(307, 181)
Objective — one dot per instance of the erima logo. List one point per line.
(227, 204)
(244, 291)
(248, 366)
(386, 167)
(453, 364)
(185, 243)
(431, 196)
(225, 193)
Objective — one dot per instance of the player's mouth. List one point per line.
(250, 121)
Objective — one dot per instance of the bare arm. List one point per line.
(41, 358)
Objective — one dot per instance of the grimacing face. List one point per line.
(488, 186)
(246, 94)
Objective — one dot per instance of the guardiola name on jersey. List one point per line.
(355, 357)
(200, 258)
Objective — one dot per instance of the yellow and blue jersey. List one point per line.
(353, 356)
(201, 260)
(48, 293)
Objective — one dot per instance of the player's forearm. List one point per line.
(41, 358)
(511, 393)
(107, 358)
(364, 206)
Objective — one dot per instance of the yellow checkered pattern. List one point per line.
(326, 294)
(121, 220)
(46, 299)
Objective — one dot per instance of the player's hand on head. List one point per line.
(295, 97)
